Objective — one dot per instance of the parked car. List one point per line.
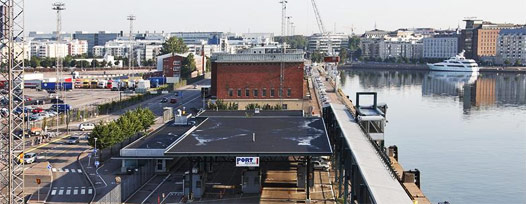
(52, 113)
(321, 165)
(164, 100)
(35, 117)
(37, 110)
(86, 126)
(173, 100)
(72, 140)
(61, 107)
(30, 158)
(56, 100)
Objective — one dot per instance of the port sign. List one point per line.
(247, 161)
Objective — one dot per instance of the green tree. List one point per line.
(507, 62)
(103, 63)
(117, 63)
(208, 64)
(174, 45)
(188, 66)
(343, 55)
(35, 62)
(67, 61)
(295, 42)
(110, 64)
(73, 63)
(518, 63)
(46, 62)
(94, 63)
(317, 56)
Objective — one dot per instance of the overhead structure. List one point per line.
(12, 121)
(59, 7)
(321, 27)
(289, 29)
(283, 17)
(131, 18)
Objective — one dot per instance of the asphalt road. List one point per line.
(69, 183)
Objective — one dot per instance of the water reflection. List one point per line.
(474, 90)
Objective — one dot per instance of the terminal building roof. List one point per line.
(255, 136)
(237, 133)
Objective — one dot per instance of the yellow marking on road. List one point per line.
(46, 144)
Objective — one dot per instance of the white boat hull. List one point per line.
(452, 69)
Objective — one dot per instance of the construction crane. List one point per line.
(321, 27)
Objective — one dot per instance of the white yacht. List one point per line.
(458, 63)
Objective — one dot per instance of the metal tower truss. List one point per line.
(318, 17)
(283, 17)
(12, 101)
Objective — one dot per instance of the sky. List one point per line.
(242, 16)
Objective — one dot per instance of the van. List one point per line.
(61, 107)
(86, 126)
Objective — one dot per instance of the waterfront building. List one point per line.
(511, 46)
(255, 78)
(440, 46)
(479, 38)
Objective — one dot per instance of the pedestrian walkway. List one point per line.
(59, 170)
(71, 191)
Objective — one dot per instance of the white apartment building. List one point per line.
(22, 51)
(331, 43)
(397, 49)
(260, 39)
(511, 46)
(440, 47)
(53, 49)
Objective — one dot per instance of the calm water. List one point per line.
(465, 133)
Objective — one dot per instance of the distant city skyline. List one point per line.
(241, 16)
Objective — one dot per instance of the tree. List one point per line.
(46, 62)
(317, 56)
(188, 66)
(343, 55)
(73, 63)
(103, 63)
(208, 64)
(35, 62)
(174, 45)
(295, 42)
(518, 63)
(67, 61)
(94, 63)
(507, 62)
(117, 63)
(110, 64)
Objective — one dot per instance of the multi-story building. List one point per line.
(330, 43)
(20, 46)
(77, 47)
(96, 39)
(50, 49)
(267, 79)
(400, 49)
(440, 46)
(479, 38)
(511, 46)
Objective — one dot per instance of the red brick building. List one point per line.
(172, 66)
(255, 78)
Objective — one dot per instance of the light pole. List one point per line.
(95, 156)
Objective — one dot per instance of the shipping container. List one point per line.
(157, 81)
(53, 86)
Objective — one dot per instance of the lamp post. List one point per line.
(95, 156)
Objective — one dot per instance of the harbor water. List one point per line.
(465, 132)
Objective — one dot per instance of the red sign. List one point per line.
(332, 59)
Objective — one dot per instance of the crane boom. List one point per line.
(318, 17)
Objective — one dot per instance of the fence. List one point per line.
(129, 184)
(109, 152)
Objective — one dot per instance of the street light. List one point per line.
(95, 149)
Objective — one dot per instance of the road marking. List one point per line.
(54, 169)
(60, 192)
(79, 170)
(46, 144)
(73, 170)
(53, 192)
(75, 192)
(83, 191)
(90, 191)
(67, 170)
(60, 170)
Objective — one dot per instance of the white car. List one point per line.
(30, 158)
(321, 165)
(86, 126)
